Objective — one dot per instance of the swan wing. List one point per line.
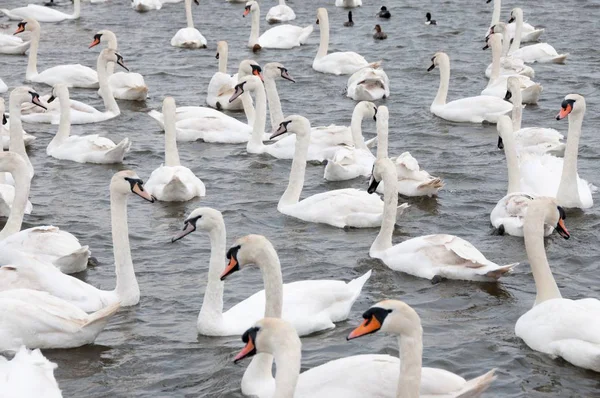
(284, 36)
(473, 109)
(280, 13)
(188, 38)
(29, 374)
(74, 75)
(340, 63)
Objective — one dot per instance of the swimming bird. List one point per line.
(429, 21)
(379, 34)
(384, 13)
(349, 22)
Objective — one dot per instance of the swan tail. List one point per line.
(98, 320)
(500, 271)
(117, 153)
(435, 183)
(475, 387)
(341, 309)
(371, 143)
(305, 33)
(560, 59)
(74, 262)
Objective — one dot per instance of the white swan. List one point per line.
(220, 87)
(540, 52)
(348, 3)
(40, 320)
(530, 91)
(41, 13)
(173, 182)
(82, 113)
(310, 305)
(370, 83)
(338, 63)
(431, 256)
(508, 64)
(280, 13)
(340, 208)
(38, 276)
(358, 376)
(3, 87)
(281, 37)
(468, 110)
(556, 326)
(5, 130)
(13, 45)
(189, 37)
(146, 5)
(203, 123)
(535, 140)
(558, 177)
(28, 374)
(412, 181)
(19, 96)
(74, 75)
(81, 148)
(528, 32)
(124, 85)
(509, 213)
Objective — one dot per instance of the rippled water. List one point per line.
(153, 349)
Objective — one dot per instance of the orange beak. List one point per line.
(248, 350)
(94, 43)
(564, 112)
(368, 326)
(20, 28)
(246, 11)
(139, 191)
(231, 268)
(257, 73)
(563, 231)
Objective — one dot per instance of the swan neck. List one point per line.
(274, 102)
(64, 127)
(512, 163)
(17, 145)
(17, 212)
(110, 104)
(112, 44)
(505, 42)
(382, 139)
(270, 268)
(517, 111)
(411, 357)
(188, 14)
(496, 54)
(281, 2)
(255, 29)
(248, 108)
(533, 230)
(127, 288)
(496, 13)
(223, 58)
(33, 53)
(442, 94)
(569, 179)
(390, 208)
(291, 196)
(212, 305)
(288, 361)
(171, 152)
(518, 30)
(324, 37)
(356, 129)
(260, 119)
(77, 9)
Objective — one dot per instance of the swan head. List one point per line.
(366, 109)
(381, 169)
(222, 47)
(493, 40)
(249, 67)
(515, 14)
(295, 124)
(2, 109)
(439, 58)
(322, 15)
(246, 251)
(246, 84)
(126, 182)
(203, 218)
(23, 94)
(391, 316)
(251, 6)
(104, 35)
(573, 104)
(276, 70)
(504, 127)
(27, 24)
(513, 86)
(59, 91)
(553, 214)
(268, 336)
(109, 55)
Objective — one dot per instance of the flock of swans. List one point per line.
(43, 307)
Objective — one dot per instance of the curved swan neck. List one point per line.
(496, 54)
(442, 94)
(127, 288)
(274, 102)
(518, 30)
(293, 191)
(260, 120)
(64, 127)
(188, 14)
(255, 29)
(171, 152)
(16, 144)
(212, 304)
(568, 180)
(223, 57)
(390, 205)
(110, 104)
(288, 361)
(22, 184)
(496, 13)
(533, 230)
(356, 128)
(33, 53)
(324, 36)
(270, 267)
(411, 358)
(517, 112)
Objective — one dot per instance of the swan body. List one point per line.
(146, 5)
(41, 13)
(124, 85)
(13, 45)
(32, 274)
(79, 112)
(173, 182)
(540, 52)
(189, 37)
(39, 320)
(465, 110)
(369, 84)
(280, 37)
(28, 374)
(348, 3)
(339, 208)
(221, 85)
(82, 149)
(75, 75)
(338, 63)
(280, 13)
(528, 32)
(427, 256)
(556, 326)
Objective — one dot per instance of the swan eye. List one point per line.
(233, 252)
(134, 181)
